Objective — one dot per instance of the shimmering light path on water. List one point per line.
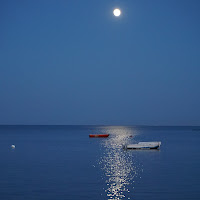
(119, 165)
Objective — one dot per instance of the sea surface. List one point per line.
(63, 163)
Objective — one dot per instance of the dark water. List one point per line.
(62, 162)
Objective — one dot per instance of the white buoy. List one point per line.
(13, 146)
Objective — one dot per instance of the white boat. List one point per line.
(143, 145)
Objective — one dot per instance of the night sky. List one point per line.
(73, 62)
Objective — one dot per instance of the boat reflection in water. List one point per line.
(120, 166)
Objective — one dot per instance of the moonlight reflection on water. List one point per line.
(120, 166)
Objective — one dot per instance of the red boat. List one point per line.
(98, 135)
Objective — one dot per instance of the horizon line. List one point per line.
(87, 125)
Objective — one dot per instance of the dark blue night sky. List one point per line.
(74, 62)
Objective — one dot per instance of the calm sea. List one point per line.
(63, 163)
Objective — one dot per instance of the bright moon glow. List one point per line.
(117, 12)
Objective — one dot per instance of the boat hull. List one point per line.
(98, 135)
(156, 147)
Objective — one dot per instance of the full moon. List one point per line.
(117, 12)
